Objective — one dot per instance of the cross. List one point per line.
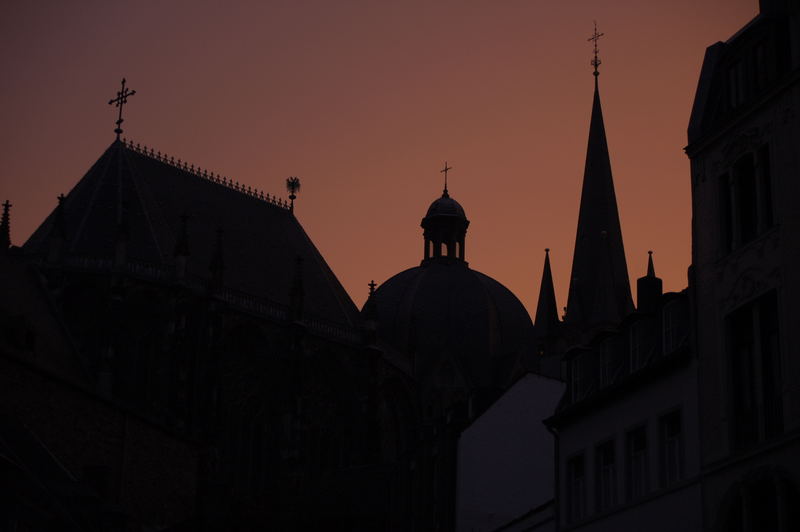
(444, 171)
(372, 286)
(595, 37)
(120, 100)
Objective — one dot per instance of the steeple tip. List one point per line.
(546, 310)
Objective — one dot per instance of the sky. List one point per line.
(364, 101)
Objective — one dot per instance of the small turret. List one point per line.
(5, 228)
(649, 288)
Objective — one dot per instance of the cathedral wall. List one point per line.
(128, 461)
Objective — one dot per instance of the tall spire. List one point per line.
(599, 291)
(546, 309)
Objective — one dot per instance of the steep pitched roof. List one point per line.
(599, 289)
(142, 196)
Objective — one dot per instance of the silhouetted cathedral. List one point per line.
(177, 355)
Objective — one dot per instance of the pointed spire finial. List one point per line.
(444, 171)
(651, 271)
(5, 227)
(120, 101)
(596, 60)
(546, 309)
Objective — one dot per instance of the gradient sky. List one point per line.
(364, 101)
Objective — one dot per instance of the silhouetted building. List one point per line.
(204, 368)
(459, 334)
(177, 355)
(745, 276)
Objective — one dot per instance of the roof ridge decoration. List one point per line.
(205, 174)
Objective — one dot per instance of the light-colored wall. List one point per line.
(669, 508)
(505, 458)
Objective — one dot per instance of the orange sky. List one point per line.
(364, 100)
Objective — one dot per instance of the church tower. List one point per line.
(599, 289)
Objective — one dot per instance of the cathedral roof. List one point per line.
(146, 196)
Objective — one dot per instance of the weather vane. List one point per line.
(595, 37)
(120, 100)
(444, 171)
(292, 186)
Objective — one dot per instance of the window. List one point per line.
(605, 476)
(576, 488)
(755, 372)
(671, 448)
(636, 463)
(746, 199)
(736, 85)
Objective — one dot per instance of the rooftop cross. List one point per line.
(372, 286)
(595, 37)
(444, 171)
(120, 100)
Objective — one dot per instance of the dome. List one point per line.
(444, 307)
(446, 206)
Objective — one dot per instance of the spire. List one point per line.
(5, 228)
(598, 295)
(648, 288)
(546, 309)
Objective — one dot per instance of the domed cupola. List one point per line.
(445, 228)
(446, 317)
